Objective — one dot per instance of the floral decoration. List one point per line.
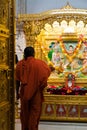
(67, 89)
(70, 57)
(62, 90)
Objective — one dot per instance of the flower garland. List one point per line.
(62, 90)
(70, 57)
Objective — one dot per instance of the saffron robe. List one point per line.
(33, 74)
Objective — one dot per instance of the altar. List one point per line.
(60, 39)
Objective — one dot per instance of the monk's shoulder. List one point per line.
(38, 61)
(19, 64)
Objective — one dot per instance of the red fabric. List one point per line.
(33, 75)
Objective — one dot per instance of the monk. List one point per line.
(31, 79)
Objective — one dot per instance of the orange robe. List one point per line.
(33, 75)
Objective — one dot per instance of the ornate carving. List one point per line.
(3, 52)
(4, 12)
(3, 85)
(6, 62)
(33, 23)
(4, 116)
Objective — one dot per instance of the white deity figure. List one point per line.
(20, 44)
(56, 58)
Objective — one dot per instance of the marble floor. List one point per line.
(56, 126)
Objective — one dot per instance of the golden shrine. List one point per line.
(60, 38)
